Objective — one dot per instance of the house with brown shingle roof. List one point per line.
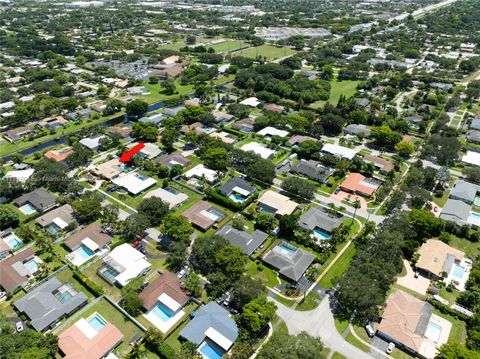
(166, 296)
(17, 270)
(410, 324)
(83, 341)
(93, 233)
(383, 165)
(203, 215)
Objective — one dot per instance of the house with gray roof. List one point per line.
(57, 219)
(316, 218)
(237, 189)
(464, 191)
(40, 199)
(49, 303)
(473, 136)
(288, 260)
(211, 324)
(475, 124)
(354, 130)
(457, 211)
(249, 242)
(173, 111)
(313, 170)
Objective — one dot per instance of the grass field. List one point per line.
(346, 88)
(268, 51)
(263, 273)
(340, 266)
(470, 248)
(229, 45)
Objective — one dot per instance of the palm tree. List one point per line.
(356, 205)
(138, 351)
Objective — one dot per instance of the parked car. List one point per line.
(181, 273)
(337, 190)
(19, 326)
(291, 286)
(136, 244)
(369, 330)
(390, 348)
(2, 294)
(417, 274)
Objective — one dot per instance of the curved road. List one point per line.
(319, 323)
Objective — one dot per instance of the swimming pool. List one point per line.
(476, 202)
(96, 322)
(458, 271)
(433, 332)
(211, 351)
(27, 209)
(13, 242)
(319, 233)
(162, 312)
(236, 198)
(216, 215)
(287, 248)
(31, 265)
(83, 252)
(108, 273)
(268, 210)
(53, 229)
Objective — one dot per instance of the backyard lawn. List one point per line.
(110, 290)
(471, 249)
(268, 51)
(263, 273)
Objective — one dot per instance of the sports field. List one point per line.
(270, 52)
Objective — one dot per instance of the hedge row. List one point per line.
(94, 288)
(226, 202)
(445, 309)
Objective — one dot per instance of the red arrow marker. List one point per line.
(127, 156)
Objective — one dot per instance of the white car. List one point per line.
(390, 348)
(19, 327)
(181, 273)
(369, 330)
(2, 294)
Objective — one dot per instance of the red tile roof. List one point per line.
(167, 283)
(353, 183)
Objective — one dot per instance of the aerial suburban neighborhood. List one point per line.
(200, 179)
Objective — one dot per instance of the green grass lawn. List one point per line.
(442, 200)
(341, 325)
(112, 315)
(470, 248)
(157, 94)
(229, 45)
(338, 356)
(340, 267)
(346, 88)
(354, 341)
(109, 290)
(450, 296)
(263, 273)
(66, 275)
(268, 51)
(309, 303)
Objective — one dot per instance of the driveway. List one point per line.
(419, 285)
(342, 195)
(319, 323)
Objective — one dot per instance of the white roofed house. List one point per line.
(20, 175)
(269, 132)
(201, 172)
(339, 151)
(259, 149)
(134, 182)
(251, 101)
(123, 264)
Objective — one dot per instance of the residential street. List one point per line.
(319, 323)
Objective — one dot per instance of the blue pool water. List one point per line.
(216, 215)
(53, 229)
(142, 177)
(31, 265)
(162, 312)
(287, 248)
(84, 252)
(236, 198)
(321, 234)
(64, 297)
(97, 323)
(13, 242)
(458, 271)
(27, 209)
(268, 210)
(433, 331)
(211, 351)
(477, 201)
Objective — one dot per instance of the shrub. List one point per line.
(165, 351)
(94, 288)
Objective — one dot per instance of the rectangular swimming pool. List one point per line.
(321, 234)
(288, 249)
(31, 265)
(458, 272)
(162, 312)
(83, 252)
(211, 351)
(96, 322)
(13, 242)
(27, 209)
(433, 332)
